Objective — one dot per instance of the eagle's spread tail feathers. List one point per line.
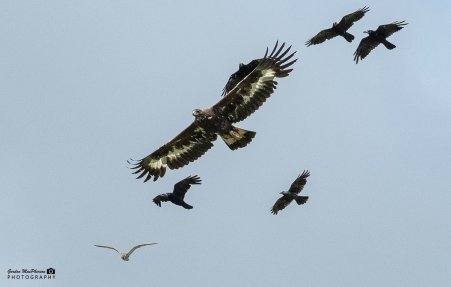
(301, 199)
(237, 138)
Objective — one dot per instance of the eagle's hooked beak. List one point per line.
(196, 112)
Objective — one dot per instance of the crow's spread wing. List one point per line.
(348, 20)
(322, 36)
(161, 198)
(366, 45)
(181, 187)
(280, 204)
(388, 29)
(238, 76)
(299, 183)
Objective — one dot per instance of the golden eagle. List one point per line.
(178, 194)
(288, 196)
(339, 28)
(374, 38)
(240, 100)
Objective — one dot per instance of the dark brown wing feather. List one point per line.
(298, 184)
(280, 204)
(366, 45)
(186, 147)
(388, 29)
(181, 187)
(161, 198)
(322, 36)
(348, 20)
(252, 91)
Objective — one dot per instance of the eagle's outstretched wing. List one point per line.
(280, 204)
(186, 147)
(322, 36)
(388, 29)
(109, 247)
(253, 90)
(181, 187)
(348, 20)
(138, 246)
(299, 183)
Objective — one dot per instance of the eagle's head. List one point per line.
(198, 114)
(335, 24)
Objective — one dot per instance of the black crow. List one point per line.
(177, 196)
(339, 28)
(374, 38)
(292, 194)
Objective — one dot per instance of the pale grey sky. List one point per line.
(85, 85)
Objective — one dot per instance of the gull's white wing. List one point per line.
(109, 247)
(138, 246)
